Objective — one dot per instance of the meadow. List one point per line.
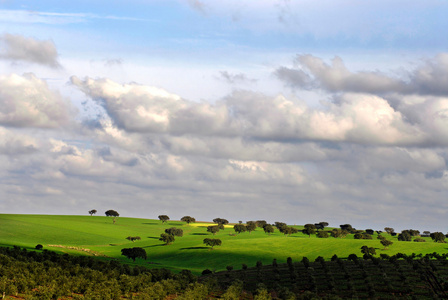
(97, 235)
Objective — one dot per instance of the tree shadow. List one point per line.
(151, 223)
(194, 248)
(154, 237)
(199, 234)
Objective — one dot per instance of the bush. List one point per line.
(322, 234)
(419, 240)
(38, 247)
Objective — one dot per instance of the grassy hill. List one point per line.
(103, 238)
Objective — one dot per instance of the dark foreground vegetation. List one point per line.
(48, 275)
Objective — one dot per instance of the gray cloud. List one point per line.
(27, 101)
(19, 48)
(235, 78)
(313, 73)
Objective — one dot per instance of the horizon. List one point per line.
(286, 111)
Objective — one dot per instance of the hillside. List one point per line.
(97, 235)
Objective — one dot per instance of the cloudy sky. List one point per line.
(294, 111)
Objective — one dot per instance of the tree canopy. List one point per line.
(133, 238)
(250, 226)
(134, 253)
(213, 229)
(212, 242)
(166, 238)
(163, 218)
(268, 228)
(92, 212)
(438, 237)
(239, 228)
(112, 213)
(188, 219)
(175, 231)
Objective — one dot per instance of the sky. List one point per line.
(292, 111)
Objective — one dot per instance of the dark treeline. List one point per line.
(48, 275)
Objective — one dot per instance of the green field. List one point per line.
(102, 237)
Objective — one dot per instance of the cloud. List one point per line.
(235, 78)
(13, 143)
(19, 48)
(312, 72)
(350, 117)
(27, 101)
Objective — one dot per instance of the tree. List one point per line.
(134, 253)
(166, 238)
(175, 231)
(188, 219)
(268, 228)
(323, 224)
(134, 238)
(112, 213)
(347, 227)
(386, 243)
(389, 230)
(368, 250)
(212, 242)
(438, 237)
(289, 230)
(251, 226)
(164, 218)
(309, 229)
(92, 212)
(221, 222)
(239, 228)
(260, 223)
(405, 236)
(280, 226)
(338, 233)
(212, 229)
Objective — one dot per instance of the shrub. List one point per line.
(419, 240)
(322, 234)
(38, 247)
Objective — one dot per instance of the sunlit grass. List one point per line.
(99, 234)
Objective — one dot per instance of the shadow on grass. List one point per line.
(200, 234)
(154, 246)
(152, 223)
(194, 248)
(154, 237)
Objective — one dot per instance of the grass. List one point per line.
(99, 234)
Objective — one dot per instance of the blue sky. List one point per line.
(293, 111)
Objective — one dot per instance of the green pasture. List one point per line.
(100, 235)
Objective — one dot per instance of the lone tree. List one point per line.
(386, 243)
(188, 219)
(166, 238)
(251, 226)
(175, 231)
(164, 218)
(134, 238)
(212, 242)
(92, 212)
(134, 253)
(309, 229)
(112, 213)
(268, 228)
(213, 229)
(239, 228)
(438, 237)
